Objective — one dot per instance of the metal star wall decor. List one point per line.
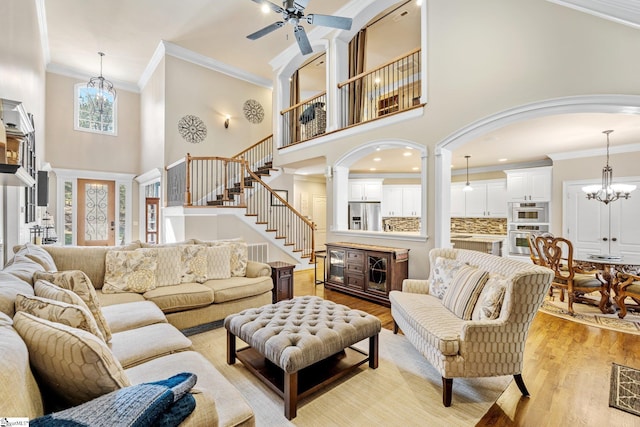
(192, 129)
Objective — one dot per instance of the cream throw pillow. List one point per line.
(80, 284)
(75, 316)
(441, 275)
(38, 254)
(464, 290)
(130, 271)
(169, 266)
(194, 263)
(490, 300)
(218, 262)
(239, 255)
(72, 362)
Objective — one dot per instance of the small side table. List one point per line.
(282, 276)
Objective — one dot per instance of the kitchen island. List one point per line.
(490, 244)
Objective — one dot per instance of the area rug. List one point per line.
(591, 315)
(405, 390)
(625, 389)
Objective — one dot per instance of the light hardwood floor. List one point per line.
(567, 368)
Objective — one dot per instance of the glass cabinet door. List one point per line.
(335, 265)
(378, 270)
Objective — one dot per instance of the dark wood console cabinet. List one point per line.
(366, 271)
(282, 276)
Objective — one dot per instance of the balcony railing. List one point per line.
(390, 88)
(305, 120)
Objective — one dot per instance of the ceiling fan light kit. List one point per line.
(293, 13)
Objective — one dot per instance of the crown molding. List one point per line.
(44, 31)
(618, 149)
(625, 12)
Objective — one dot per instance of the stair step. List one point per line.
(234, 190)
(221, 197)
(271, 230)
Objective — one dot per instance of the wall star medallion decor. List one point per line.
(253, 111)
(192, 129)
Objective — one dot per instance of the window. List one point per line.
(88, 120)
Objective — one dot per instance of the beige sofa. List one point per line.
(471, 317)
(122, 339)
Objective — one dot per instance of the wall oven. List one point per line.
(530, 212)
(519, 237)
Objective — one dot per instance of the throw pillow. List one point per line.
(464, 290)
(10, 287)
(169, 266)
(441, 274)
(194, 263)
(218, 262)
(239, 255)
(74, 363)
(490, 301)
(38, 254)
(130, 271)
(71, 315)
(23, 268)
(161, 403)
(79, 283)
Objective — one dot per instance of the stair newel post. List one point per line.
(187, 193)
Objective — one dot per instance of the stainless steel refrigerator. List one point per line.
(365, 216)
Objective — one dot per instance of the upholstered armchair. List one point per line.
(627, 286)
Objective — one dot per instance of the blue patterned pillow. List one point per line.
(162, 403)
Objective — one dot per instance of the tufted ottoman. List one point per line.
(299, 345)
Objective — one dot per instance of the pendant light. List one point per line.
(104, 89)
(608, 192)
(468, 186)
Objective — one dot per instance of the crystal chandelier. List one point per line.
(103, 88)
(608, 192)
(467, 186)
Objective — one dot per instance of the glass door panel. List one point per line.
(336, 264)
(377, 280)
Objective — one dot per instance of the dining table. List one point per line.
(608, 266)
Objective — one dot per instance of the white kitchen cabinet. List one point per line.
(401, 200)
(365, 191)
(529, 185)
(596, 228)
(487, 200)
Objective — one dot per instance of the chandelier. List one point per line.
(608, 192)
(103, 88)
(467, 186)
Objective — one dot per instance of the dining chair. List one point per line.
(627, 286)
(557, 254)
(535, 253)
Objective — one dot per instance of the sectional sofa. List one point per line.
(83, 326)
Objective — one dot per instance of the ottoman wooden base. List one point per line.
(294, 386)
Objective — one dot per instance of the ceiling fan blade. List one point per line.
(266, 30)
(272, 6)
(303, 40)
(300, 4)
(330, 21)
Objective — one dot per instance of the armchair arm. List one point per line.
(626, 279)
(415, 286)
(258, 269)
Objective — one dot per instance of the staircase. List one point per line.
(238, 183)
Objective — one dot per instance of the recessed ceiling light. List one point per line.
(415, 168)
(418, 2)
(409, 148)
(265, 8)
(377, 159)
(372, 169)
(502, 160)
(407, 154)
(378, 148)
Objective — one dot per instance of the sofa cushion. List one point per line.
(139, 345)
(130, 271)
(430, 320)
(89, 259)
(75, 363)
(38, 254)
(23, 268)
(218, 262)
(131, 315)
(19, 393)
(169, 268)
(10, 287)
(463, 292)
(180, 297)
(441, 274)
(120, 298)
(194, 263)
(490, 300)
(236, 288)
(75, 316)
(162, 403)
(78, 282)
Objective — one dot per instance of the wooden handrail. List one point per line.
(227, 159)
(364, 73)
(273, 193)
(252, 147)
(323, 93)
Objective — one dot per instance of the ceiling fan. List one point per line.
(293, 13)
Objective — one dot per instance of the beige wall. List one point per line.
(68, 148)
(152, 121)
(192, 89)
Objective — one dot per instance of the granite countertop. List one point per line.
(480, 238)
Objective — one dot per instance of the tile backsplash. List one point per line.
(479, 225)
(397, 223)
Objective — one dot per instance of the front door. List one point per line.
(96, 212)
